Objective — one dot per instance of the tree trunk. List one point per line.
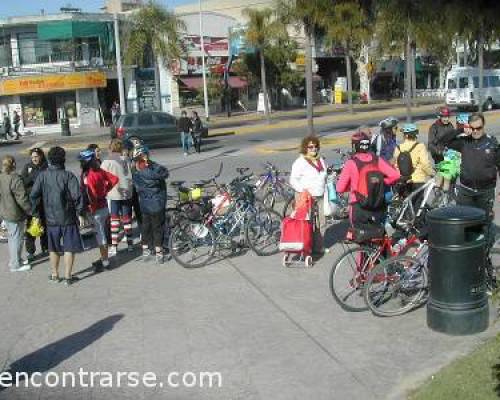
(264, 85)
(157, 86)
(309, 81)
(349, 81)
(408, 79)
(413, 75)
(480, 44)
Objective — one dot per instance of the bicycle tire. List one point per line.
(184, 235)
(398, 273)
(355, 284)
(268, 221)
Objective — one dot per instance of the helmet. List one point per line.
(389, 122)
(463, 118)
(86, 155)
(131, 143)
(140, 151)
(409, 130)
(444, 112)
(360, 142)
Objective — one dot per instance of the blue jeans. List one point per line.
(186, 141)
(16, 235)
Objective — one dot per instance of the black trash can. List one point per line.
(65, 131)
(458, 303)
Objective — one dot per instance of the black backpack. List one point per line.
(405, 163)
(370, 192)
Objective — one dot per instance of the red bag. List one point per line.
(303, 205)
(296, 236)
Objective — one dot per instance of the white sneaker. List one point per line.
(185, 154)
(112, 251)
(24, 268)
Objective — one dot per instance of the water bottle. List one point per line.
(400, 245)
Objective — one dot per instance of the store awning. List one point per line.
(58, 30)
(197, 82)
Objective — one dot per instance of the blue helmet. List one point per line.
(140, 151)
(410, 129)
(86, 155)
(463, 118)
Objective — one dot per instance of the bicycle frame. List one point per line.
(427, 188)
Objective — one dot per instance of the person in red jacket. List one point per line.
(96, 184)
(349, 177)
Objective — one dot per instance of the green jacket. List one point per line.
(14, 202)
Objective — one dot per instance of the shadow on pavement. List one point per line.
(48, 357)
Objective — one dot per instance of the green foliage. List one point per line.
(153, 29)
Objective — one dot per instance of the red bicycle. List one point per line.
(350, 271)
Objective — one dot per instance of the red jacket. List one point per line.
(98, 183)
(348, 179)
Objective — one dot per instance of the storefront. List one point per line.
(46, 109)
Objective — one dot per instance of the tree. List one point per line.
(262, 29)
(153, 35)
(306, 16)
(348, 24)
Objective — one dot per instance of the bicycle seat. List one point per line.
(241, 171)
(177, 183)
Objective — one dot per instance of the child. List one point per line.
(96, 184)
(149, 180)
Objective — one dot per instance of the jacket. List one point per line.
(151, 187)
(14, 202)
(304, 176)
(480, 160)
(30, 172)
(97, 183)
(422, 167)
(437, 136)
(119, 167)
(59, 191)
(184, 125)
(348, 179)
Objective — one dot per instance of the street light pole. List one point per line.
(119, 71)
(202, 44)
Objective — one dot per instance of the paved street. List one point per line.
(272, 332)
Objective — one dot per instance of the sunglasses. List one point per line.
(312, 147)
(479, 128)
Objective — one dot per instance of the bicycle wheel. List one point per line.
(348, 277)
(192, 245)
(396, 286)
(263, 232)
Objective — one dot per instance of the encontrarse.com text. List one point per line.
(110, 379)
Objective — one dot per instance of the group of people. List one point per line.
(7, 125)
(108, 191)
(191, 130)
(377, 162)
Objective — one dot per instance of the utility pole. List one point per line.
(204, 74)
(119, 71)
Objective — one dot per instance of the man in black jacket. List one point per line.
(59, 191)
(438, 131)
(479, 170)
(184, 126)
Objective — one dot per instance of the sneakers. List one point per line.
(54, 279)
(30, 257)
(98, 266)
(112, 251)
(71, 281)
(146, 254)
(22, 268)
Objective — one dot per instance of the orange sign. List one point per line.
(52, 83)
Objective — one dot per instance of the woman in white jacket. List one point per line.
(120, 198)
(309, 174)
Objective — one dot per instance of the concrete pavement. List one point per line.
(272, 332)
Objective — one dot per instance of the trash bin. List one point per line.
(458, 303)
(65, 131)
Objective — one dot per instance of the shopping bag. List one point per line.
(35, 228)
(328, 207)
(296, 236)
(332, 192)
(303, 205)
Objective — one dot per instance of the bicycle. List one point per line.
(275, 189)
(235, 214)
(398, 285)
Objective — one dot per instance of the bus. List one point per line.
(462, 88)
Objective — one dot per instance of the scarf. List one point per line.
(315, 162)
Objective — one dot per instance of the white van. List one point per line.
(462, 87)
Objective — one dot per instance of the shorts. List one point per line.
(71, 239)
(101, 226)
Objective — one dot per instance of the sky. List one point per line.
(12, 8)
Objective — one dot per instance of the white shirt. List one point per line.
(305, 177)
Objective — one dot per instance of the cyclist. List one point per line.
(462, 122)
(384, 142)
(439, 129)
(420, 162)
(349, 181)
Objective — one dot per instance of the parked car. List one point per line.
(153, 128)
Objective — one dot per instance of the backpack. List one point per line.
(370, 190)
(405, 163)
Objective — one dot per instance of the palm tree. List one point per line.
(153, 32)
(262, 29)
(348, 25)
(306, 16)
